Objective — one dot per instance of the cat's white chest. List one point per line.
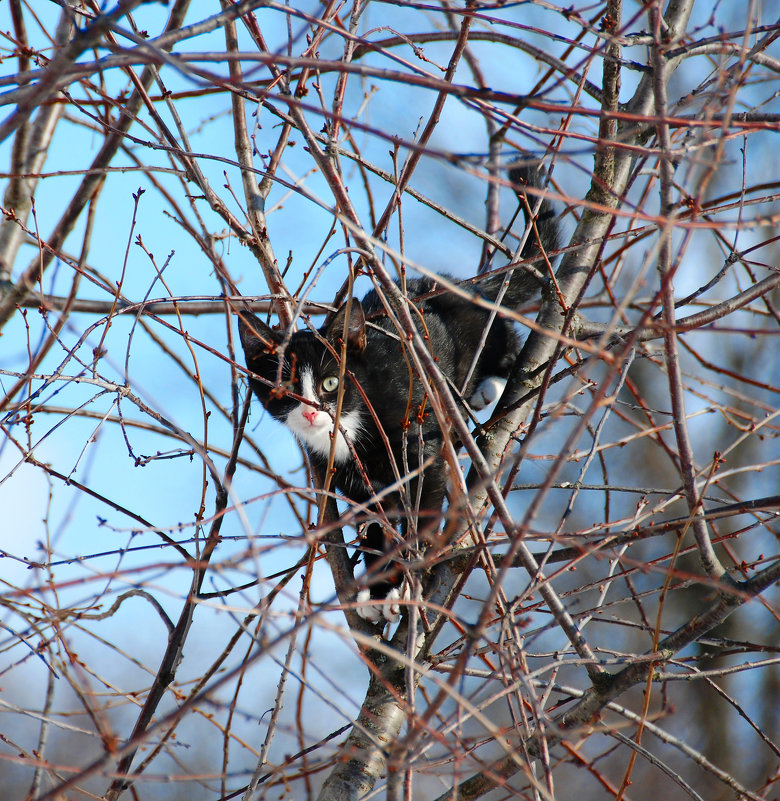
(313, 425)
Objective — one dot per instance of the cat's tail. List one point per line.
(523, 283)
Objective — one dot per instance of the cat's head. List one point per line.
(299, 382)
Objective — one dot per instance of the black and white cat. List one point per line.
(387, 447)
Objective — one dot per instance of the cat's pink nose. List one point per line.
(310, 414)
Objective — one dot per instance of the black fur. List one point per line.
(398, 433)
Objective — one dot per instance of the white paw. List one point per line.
(489, 391)
(374, 609)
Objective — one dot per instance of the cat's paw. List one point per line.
(374, 610)
(489, 391)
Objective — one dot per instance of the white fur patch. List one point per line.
(374, 609)
(489, 391)
(313, 426)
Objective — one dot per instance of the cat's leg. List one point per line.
(488, 391)
(389, 598)
(383, 598)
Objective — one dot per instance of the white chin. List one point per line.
(317, 437)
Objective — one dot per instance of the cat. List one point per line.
(385, 432)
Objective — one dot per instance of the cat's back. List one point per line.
(454, 327)
(433, 309)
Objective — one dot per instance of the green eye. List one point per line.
(330, 383)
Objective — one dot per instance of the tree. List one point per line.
(602, 594)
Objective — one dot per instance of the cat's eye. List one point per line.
(330, 383)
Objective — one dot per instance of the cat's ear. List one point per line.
(355, 326)
(256, 337)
